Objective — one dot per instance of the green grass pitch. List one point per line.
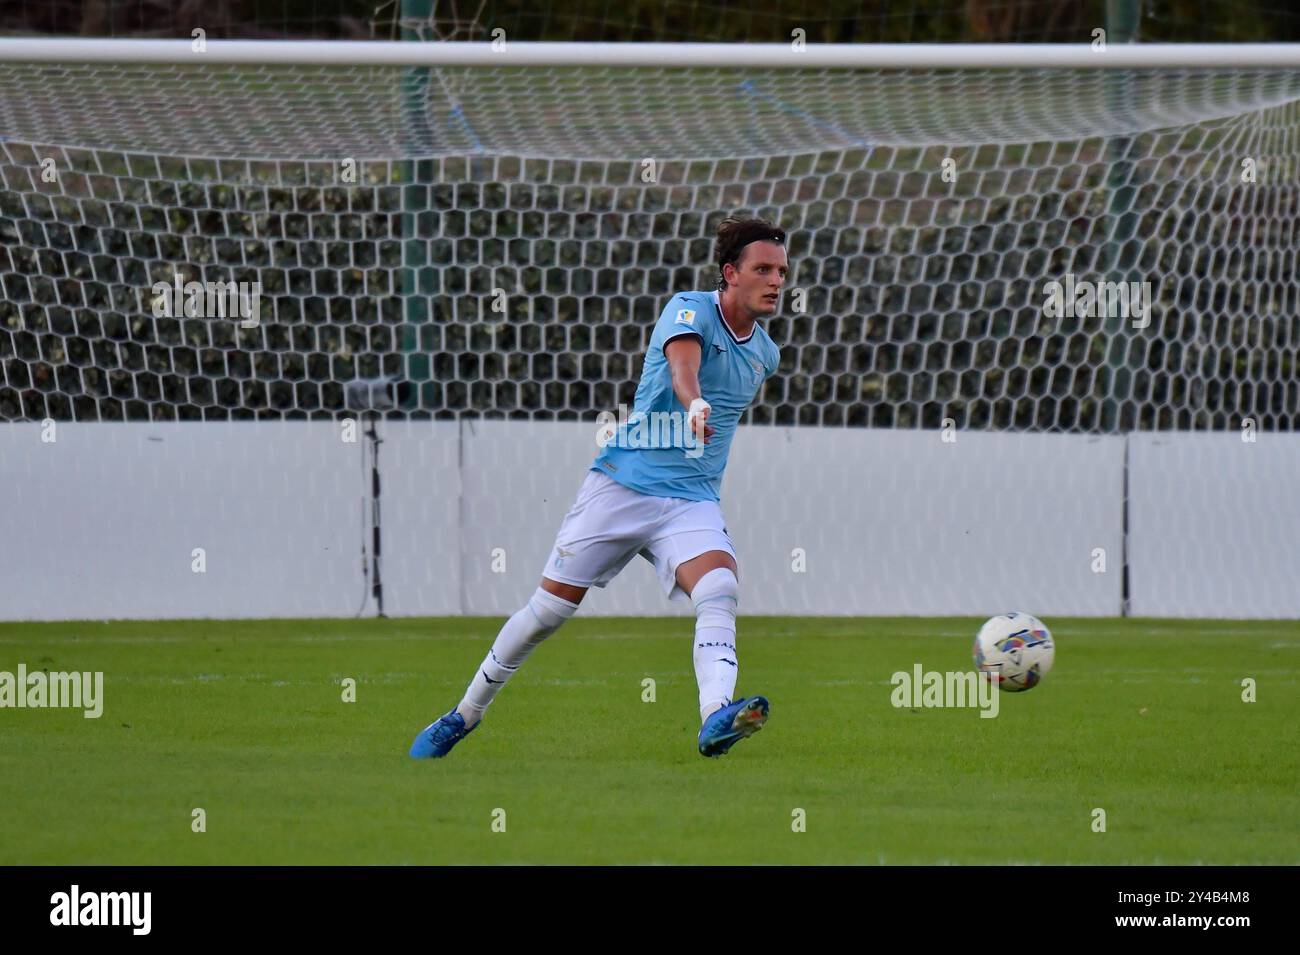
(245, 720)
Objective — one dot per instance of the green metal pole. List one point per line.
(1122, 19)
(415, 274)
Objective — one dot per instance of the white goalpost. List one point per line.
(794, 55)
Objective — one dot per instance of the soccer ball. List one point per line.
(1014, 650)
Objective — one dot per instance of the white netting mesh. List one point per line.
(924, 296)
(600, 113)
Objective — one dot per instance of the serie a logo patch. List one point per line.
(685, 316)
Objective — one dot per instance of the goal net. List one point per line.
(502, 238)
(1093, 257)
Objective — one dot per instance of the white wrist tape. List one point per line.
(698, 405)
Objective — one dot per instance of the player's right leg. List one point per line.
(551, 604)
(544, 613)
(568, 592)
(600, 534)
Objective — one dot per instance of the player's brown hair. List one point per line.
(734, 233)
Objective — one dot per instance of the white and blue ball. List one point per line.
(1014, 650)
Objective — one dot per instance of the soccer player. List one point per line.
(707, 359)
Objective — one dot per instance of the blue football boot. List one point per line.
(439, 737)
(732, 723)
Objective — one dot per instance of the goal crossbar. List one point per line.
(872, 56)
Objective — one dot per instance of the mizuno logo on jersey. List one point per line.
(719, 348)
(685, 317)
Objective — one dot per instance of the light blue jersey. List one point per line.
(732, 371)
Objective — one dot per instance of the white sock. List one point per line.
(715, 598)
(540, 617)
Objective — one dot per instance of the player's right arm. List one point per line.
(683, 355)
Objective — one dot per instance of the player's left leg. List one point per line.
(710, 581)
(694, 556)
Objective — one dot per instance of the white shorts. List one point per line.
(609, 524)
